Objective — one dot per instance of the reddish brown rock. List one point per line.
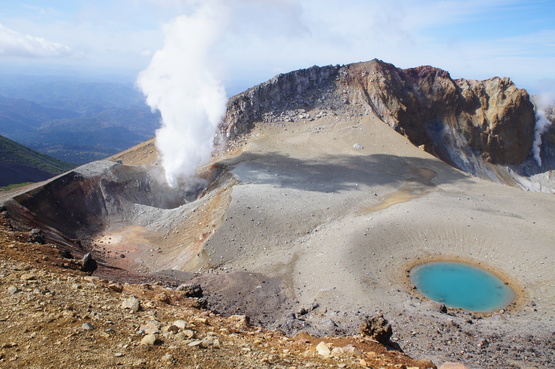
(492, 120)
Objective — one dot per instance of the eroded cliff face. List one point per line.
(493, 118)
(485, 128)
(276, 94)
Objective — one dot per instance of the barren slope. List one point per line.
(324, 222)
(310, 219)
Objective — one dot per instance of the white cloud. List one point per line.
(13, 43)
(471, 39)
(461, 37)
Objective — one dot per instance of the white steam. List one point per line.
(182, 83)
(542, 104)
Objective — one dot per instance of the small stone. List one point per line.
(207, 343)
(167, 358)
(190, 289)
(66, 254)
(151, 327)
(117, 287)
(12, 290)
(241, 321)
(162, 297)
(28, 277)
(352, 350)
(119, 354)
(170, 329)
(68, 313)
(37, 236)
(87, 327)
(436, 306)
(150, 340)
(189, 333)
(132, 303)
(323, 349)
(196, 343)
(181, 324)
(337, 351)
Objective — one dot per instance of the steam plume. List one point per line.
(181, 82)
(542, 103)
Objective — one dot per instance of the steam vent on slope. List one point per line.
(334, 182)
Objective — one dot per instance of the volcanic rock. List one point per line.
(28, 277)
(87, 327)
(323, 349)
(12, 290)
(377, 328)
(88, 264)
(150, 340)
(484, 128)
(132, 303)
(37, 236)
(190, 289)
(151, 327)
(66, 254)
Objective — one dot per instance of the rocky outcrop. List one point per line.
(491, 119)
(297, 88)
(377, 328)
(476, 126)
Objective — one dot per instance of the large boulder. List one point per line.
(377, 328)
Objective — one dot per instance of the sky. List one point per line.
(476, 39)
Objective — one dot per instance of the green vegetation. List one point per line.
(14, 186)
(19, 164)
(14, 153)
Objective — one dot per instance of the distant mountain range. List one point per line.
(19, 164)
(76, 121)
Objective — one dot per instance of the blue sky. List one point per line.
(469, 38)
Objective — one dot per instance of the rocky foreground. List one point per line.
(54, 316)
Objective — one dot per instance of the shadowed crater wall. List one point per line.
(82, 202)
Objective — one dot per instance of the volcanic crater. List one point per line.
(329, 183)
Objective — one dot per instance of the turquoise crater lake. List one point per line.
(462, 286)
